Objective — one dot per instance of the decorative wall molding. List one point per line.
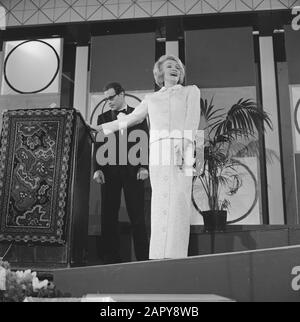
(32, 12)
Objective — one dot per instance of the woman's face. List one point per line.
(171, 71)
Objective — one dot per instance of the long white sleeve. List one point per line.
(191, 124)
(192, 120)
(134, 118)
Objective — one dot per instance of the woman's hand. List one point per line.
(184, 154)
(189, 159)
(96, 129)
(199, 147)
(179, 154)
(199, 161)
(143, 174)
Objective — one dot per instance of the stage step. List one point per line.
(156, 298)
(250, 276)
(131, 298)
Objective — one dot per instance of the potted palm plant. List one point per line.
(228, 134)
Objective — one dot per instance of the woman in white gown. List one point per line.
(174, 114)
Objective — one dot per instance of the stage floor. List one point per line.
(250, 276)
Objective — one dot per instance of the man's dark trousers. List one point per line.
(118, 177)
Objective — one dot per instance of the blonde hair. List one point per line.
(158, 73)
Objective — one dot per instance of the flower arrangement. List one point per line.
(16, 286)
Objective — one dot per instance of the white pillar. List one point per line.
(272, 138)
(1, 71)
(172, 48)
(81, 80)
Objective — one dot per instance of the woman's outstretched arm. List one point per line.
(134, 118)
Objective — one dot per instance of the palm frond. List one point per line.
(244, 116)
(209, 112)
(252, 149)
(229, 135)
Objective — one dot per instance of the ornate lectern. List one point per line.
(45, 171)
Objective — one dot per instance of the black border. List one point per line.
(295, 116)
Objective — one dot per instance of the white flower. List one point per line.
(38, 285)
(23, 276)
(2, 279)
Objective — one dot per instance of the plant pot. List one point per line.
(214, 220)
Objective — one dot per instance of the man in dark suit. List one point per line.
(118, 176)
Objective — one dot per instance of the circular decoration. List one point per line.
(101, 105)
(35, 67)
(242, 202)
(295, 116)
